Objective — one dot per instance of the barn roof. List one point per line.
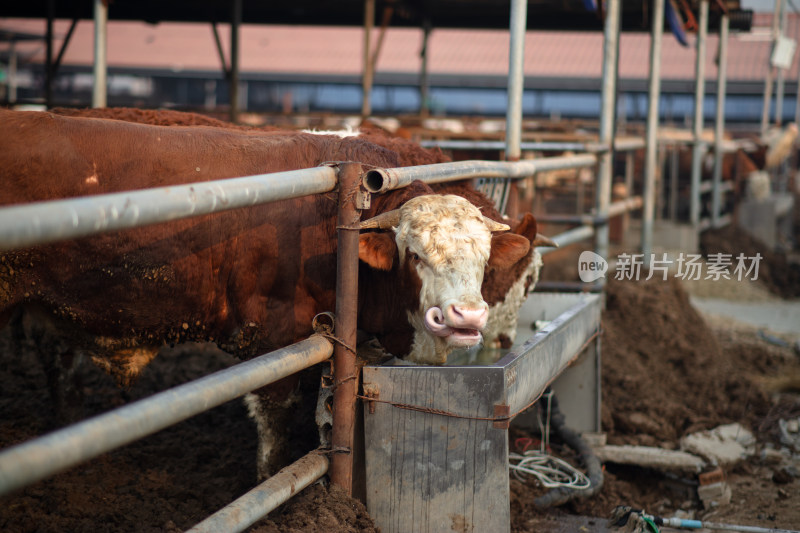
(296, 51)
(542, 14)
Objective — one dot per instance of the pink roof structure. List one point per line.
(333, 50)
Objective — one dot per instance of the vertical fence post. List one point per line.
(516, 79)
(719, 130)
(236, 22)
(100, 69)
(608, 99)
(344, 360)
(699, 147)
(651, 165)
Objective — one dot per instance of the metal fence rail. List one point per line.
(46, 222)
(36, 459)
(380, 180)
(258, 502)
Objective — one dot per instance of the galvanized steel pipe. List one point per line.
(258, 502)
(654, 96)
(517, 25)
(699, 148)
(380, 180)
(31, 461)
(568, 237)
(100, 67)
(46, 222)
(719, 130)
(608, 99)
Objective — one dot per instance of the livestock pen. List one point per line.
(26, 225)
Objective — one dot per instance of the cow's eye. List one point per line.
(415, 258)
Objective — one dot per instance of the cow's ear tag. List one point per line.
(377, 250)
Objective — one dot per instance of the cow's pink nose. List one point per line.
(466, 317)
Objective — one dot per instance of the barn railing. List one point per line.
(46, 222)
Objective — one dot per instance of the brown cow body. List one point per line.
(250, 280)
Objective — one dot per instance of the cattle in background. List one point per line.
(250, 280)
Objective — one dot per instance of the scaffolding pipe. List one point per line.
(50, 221)
(650, 166)
(260, 501)
(31, 461)
(100, 86)
(608, 99)
(380, 180)
(345, 370)
(719, 130)
(699, 148)
(516, 81)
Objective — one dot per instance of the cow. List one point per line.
(249, 280)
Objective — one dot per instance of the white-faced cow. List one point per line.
(250, 280)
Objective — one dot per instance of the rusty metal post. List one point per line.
(345, 372)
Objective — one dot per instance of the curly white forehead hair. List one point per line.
(443, 228)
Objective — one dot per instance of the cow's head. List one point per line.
(443, 245)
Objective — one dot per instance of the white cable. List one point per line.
(550, 471)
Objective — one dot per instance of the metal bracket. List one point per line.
(363, 198)
(503, 412)
(371, 391)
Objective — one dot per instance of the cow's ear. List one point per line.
(527, 227)
(377, 250)
(507, 249)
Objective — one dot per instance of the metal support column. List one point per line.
(780, 82)
(345, 371)
(719, 130)
(650, 164)
(424, 82)
(12, 72)
(367, 73)
(608, 98)
(49, 72)
(100, 86)
(768, 81)
(699, 148)
(516, 59)
(236, 21)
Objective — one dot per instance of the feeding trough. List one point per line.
(436, 438)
